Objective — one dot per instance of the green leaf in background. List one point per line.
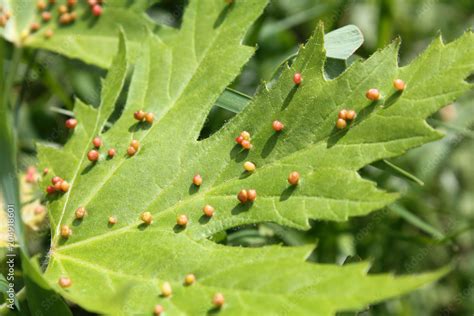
(90, 39)
(179, 78)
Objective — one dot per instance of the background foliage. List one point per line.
(429, 227)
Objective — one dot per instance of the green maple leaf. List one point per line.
(118, 269)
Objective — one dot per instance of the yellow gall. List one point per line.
(135, 144)
(249, 166)
(245, 135)
(62, 9)
(80, 212)
(112, 220)
(146, 217)
(189, 279)
(351, 115)
(166, 290)
(341, 124)
(66, 231)
(64, 282)
(65, 186)
(41, 5)
(208, 210)
(294, 178)
(149, 117)
(342, 114)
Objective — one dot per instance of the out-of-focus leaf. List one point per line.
(233, 100)
(343, 42)
(396, 170)
(416, 221)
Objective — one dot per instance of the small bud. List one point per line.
(342, 114)
(166, 290)
(218, 300)
(351, 115)
(65, 186)
(149, 117)
(112, 220)
(66, 231)
(111, 152)
(246, 144)
(297, 78)
(189, 279)
(249, 166)
(147, 218)
(341, 124)
(97, 142)
(197, 180)
(277, 126)
(135, 144)
(93, 155)
(50, 189)
(399, 84)
(80, 213)
(182, 220)
(294, 178)
(158, 310)
(97, 10)
(251, 195)
(242, 196)
(373, 95)
(131, 151)
(71, 123)
(139, 115)
(208, 210)
(64, 282)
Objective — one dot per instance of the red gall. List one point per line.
(93, 155)
(399, 84)
(182, 220)
(48, 33)
(50, 189)
(97, 142)
(297, 78)
(277, 126)
(197, 180)
(46, 16)
(294, 178)
(97, 10)
(218, 300)
(71, 123)
(131, 151)
(111, 152)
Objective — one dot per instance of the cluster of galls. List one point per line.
(58, 185)
(66, 14)
(244, 140)
(371, 94)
